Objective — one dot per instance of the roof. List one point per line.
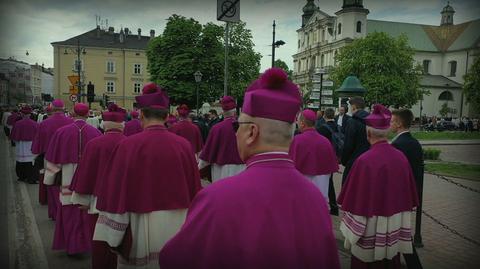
(438, 81)
(431, 38)
(106, 40)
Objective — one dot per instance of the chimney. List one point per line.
(127, 32)
(152, 34)
(122, 36)
(98, 31)
(139, 33)
(111, 30)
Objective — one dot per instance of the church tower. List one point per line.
(447, 15)
(308, 11)
(351, 20)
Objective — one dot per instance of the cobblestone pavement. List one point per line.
(459, 153)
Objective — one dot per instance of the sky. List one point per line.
(31, 25)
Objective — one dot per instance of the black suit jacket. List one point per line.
(344, 122)
(412, 149)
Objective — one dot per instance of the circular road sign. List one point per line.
(226, 5)
(73, 98)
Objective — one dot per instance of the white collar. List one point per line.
(399, 134)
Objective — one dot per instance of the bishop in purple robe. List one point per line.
(23, 132)
(312, 153)
(151, 181)
(88, 177)
(220, 150)
(64, 152)
(377, 200)
(186, 129)
(133, 126)
(268, 216)
(46, 129)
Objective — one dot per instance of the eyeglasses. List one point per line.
(236, 124)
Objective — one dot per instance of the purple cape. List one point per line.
(46, 130)
(66, 145)
(221, 145)
(313, 154)
(150, 171)
(132, 127)
(24, 130)
(268, 216)
(95, 157)
(380, 183)
(14, 117)
(189, 131)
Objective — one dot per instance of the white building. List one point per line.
(445, 51)
(18, 75)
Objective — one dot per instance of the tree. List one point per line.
(173, 59)
(281, 64)
(243, 61)
(445, 110)
(186, 47)
(471, 87)
(385, 67)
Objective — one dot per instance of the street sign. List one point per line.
(315, 96)
(316, 86)
(327, 92)
(313, 105)
(327, 83)
(320, 71)
(73, 98)
(327, 101)
(228, 10)
(73, 79)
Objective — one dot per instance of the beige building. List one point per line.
(116, 63)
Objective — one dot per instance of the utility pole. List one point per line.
(225, 80)
(273, 45)
(79, 66)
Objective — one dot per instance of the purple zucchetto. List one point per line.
(379, 118)
(152, 96)
(81, 109)
(114, 113)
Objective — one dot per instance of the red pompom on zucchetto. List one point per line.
(152, 96)
(134, 114)
(379, 118)
(81, 109)
(309, 114)
(183, 110)
(228, 103)
(273, 96)
(114, 113)
(26, 110)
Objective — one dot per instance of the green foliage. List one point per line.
(385, 67)
(281, 64)
(460, 170)
(445, 110)
(446, 135)
(471, 87)
(431, 153)
(186, 47)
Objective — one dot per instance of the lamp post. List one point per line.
(78, 65)
(198, 77)
(275, 44)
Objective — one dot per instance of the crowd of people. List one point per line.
(130, 187)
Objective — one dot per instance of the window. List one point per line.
(137, 69)
(136, 87)
(359, 26)
(426, 65)
(339, 31)
(322, 61)
(323, 35)
(110, 86)
(445, 96)
(453, 68)
(110, 67)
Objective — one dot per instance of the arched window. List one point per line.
(322, 60)
(359, 26)
(445, 96)
(339, 31)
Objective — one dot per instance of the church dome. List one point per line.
(448, 8)
(309, 8)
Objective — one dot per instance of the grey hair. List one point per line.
(275, 132)
(378, 133)
(229, 113)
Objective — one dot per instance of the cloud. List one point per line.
(33, 25)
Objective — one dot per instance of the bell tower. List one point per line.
(447, 15)
(308, 11)
(351, 20)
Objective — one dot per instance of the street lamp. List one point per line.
(275, 44)
(198, 78)
(78, 50)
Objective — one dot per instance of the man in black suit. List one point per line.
(355, 141)
(404, 141)
(341, 119)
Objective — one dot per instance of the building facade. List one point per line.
(115, 63)
(36, 83)
(18, 74)
(445, 52)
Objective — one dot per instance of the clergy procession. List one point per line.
(146, 189)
